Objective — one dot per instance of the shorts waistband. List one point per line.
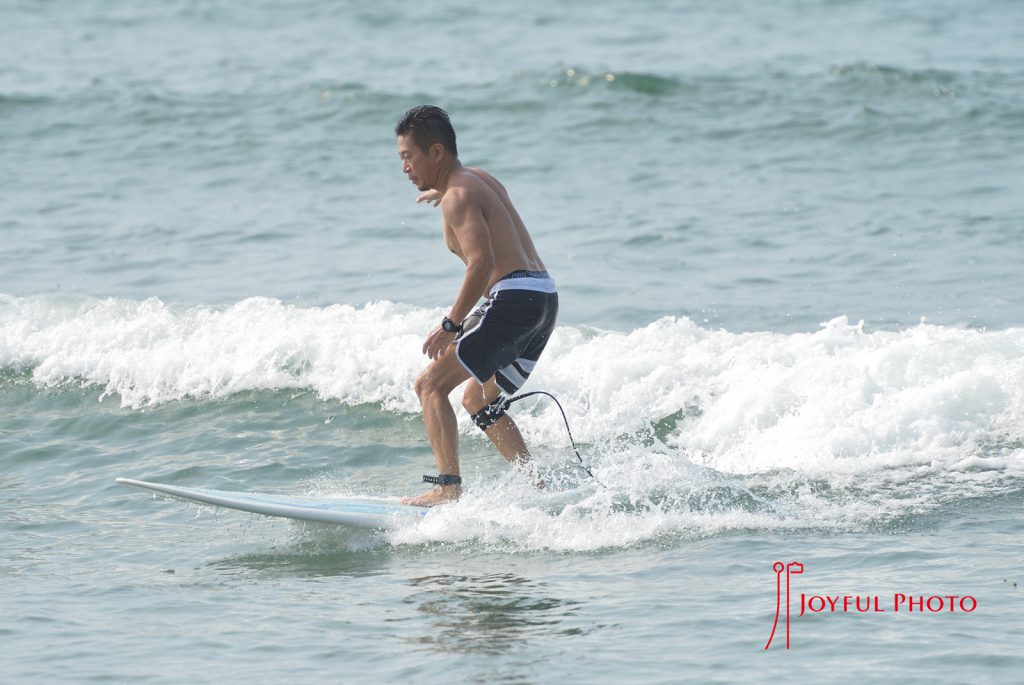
(522, 279)
(523, 273)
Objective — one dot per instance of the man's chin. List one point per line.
(423, 189)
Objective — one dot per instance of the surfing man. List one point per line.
(496, 347)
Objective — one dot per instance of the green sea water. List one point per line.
(787, 240)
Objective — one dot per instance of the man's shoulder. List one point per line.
(469, 187)
(489, 187)
(463, 197)
(474, 177)
(457, 195)
(484, 177)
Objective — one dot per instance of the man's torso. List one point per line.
(510, 241)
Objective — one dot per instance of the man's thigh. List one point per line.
(445, 373)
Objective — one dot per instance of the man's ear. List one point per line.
(437, 151)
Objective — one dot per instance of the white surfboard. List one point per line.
(361, 513)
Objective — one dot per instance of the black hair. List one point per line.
(428, 125)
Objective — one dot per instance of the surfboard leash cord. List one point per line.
(508, 403)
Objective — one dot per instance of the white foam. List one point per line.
(902, 414)
(149, 353)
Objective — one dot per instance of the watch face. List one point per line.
(448, 325)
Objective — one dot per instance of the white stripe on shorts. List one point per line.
(512, 373)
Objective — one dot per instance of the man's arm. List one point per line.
(466, 220)
(429, 196)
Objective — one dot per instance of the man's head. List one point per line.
(425, 138)
(428, 125)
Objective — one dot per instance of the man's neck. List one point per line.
(445, 176)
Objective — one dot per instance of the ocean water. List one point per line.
(787, 238)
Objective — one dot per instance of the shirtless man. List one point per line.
(496, 347)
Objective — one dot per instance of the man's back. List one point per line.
(510, 241)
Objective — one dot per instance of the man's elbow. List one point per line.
(482, 264)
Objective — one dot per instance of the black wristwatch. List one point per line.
(450, 326)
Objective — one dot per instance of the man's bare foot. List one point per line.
(439, 495)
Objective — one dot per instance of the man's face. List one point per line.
(418, 165)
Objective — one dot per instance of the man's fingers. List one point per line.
(436, 343)
(431, 196)
(430, 345)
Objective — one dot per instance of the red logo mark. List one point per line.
(793, 568)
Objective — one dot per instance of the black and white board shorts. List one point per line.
(505, 336)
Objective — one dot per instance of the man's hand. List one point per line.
(437, 342)
(430, 196)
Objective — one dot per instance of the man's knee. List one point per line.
(475, 398)
(425, 385)
(435, 380)
(473, 402)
